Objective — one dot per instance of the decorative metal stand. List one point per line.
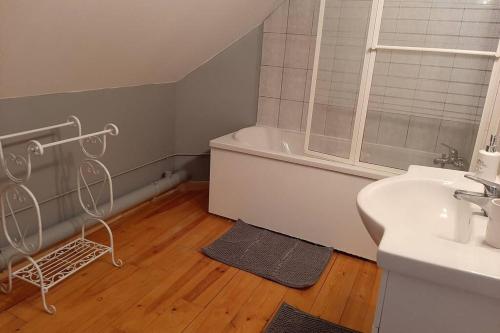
(51, 269)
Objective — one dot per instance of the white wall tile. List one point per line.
(393, 129)
(423, 133)
(444, 27)
(273, 49)
(301, 16)
(412, 26)
(432, 85)
(338, 123)
(435, 73)
(441, 41)
(294, 84)
(270, 81)
(277, 21)
(414, 13)
(401, 82)
(479, 29)
(312, 52)
(290, 115)
(397, 92)
(387, 26)
(268, 112)
(314, 29)
(423, 104)
(467, 75)
(307, 92)
(447, 14)
(461, 99)
(472, 62)
(305, 110)
(481, 15)
(372, 125)
(403, 70)
(297, 51)
(431, 96)
(319, 118)
(414, 58)
(437, 59)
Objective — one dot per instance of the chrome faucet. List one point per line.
(491, 191)
(450, 158)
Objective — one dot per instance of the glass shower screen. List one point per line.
(343, 45)
(422, 102)
(422, 89)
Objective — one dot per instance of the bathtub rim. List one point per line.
(227, 142)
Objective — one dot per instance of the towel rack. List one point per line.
(56, 266)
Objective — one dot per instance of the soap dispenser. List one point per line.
(488, 161)
(493, 229)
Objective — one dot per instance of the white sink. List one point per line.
(422, 231)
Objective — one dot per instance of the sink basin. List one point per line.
(421, 230)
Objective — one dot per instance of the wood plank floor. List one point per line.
(168, 285)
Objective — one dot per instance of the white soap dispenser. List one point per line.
(493, 229)
(488, 161)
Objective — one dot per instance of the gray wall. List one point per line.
(218, 98)
(154, 121)
(144, 115)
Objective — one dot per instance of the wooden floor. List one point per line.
(168, 285)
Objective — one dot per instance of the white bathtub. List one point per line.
(262, 176)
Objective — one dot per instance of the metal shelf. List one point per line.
(61, 263)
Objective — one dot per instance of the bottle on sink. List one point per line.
(487, 168)
(493, 228)
(488, 161)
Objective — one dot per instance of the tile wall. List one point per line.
(287, 61)
(417, 101)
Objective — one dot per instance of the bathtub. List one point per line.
(262, 176)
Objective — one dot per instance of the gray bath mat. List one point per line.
(286, 260)
(290, 320)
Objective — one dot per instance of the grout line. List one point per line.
(283, 69)
(437, 137)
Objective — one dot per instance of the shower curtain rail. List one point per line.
(435, 50)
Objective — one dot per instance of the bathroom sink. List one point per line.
(421, 230)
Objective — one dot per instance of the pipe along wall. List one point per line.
(72, 226)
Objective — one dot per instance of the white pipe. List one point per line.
(121, 173)
(72, 226)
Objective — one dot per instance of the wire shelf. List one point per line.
(63, 262)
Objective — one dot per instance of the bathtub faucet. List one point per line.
(491, 191)
(450, 158)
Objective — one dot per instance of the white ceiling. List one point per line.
(59, 45)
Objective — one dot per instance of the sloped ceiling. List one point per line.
(59, 45)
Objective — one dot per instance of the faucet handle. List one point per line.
(452, 151)
(490, 187)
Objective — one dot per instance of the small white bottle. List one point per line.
(488, 162)
(493, 228)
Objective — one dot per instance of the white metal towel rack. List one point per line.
(51, 269)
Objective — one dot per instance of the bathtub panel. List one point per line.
(310, 203)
